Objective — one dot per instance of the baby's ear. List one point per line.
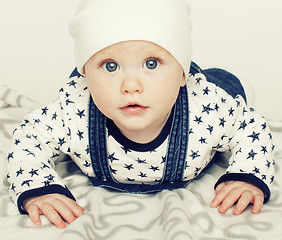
(183, 82)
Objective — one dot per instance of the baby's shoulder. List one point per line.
(74, 87)
(215, 83)
(199, 87)
(215, 80)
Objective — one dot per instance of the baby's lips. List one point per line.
(133, 108)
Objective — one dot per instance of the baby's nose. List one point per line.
(131, 84)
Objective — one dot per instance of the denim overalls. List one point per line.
(178, 138)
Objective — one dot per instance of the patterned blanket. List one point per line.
(169, 215)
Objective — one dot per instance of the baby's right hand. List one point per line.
(55, 207)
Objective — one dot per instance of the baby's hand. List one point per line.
(55, 207)
(228, 193)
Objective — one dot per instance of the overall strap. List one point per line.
(98, 142)
(178, 140)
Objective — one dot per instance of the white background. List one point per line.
(242, 36)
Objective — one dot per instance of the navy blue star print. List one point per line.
(129, 167)
(20, 172)
(114, 171)
(44, 111)
(154, 168)
(231, 111)
(87, 150)
(13, 187)
(27, 182)
(72, 83)
(203, 140)
(143, 175)
(49, 177)
(80, 134)
(216, 107)
(254, 136)
(252, 154)
(264, 149)
(87, 164)
(198, 80)
(54, 116)
(61, 141)
(194, 154)
(126, 150)
(207, 109)
(217, 122)
(198, 119)
(34, 172)
(10, 155)
(141, 161)
(130, 179)
(243, 125)
(112, 158)
(210, 129)
(206, 91)
(80, 113)
(222, 122)
(38, 146)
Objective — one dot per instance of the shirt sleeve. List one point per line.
(31, 160)
(250, 143)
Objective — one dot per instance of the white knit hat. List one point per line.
(98, 24)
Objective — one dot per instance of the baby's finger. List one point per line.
(34, 214)
(243, 202)
(257, 203)
(76, 209)
(229, 200)
(64, 210)
(48, 210)
(221, 192)
(219, 187)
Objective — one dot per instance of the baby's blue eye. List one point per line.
(151, 64)
(110, 66)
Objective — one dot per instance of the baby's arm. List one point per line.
(228, 193)
(55, 207)
(31, 161)
(250, 173)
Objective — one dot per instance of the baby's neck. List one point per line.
(142, 136)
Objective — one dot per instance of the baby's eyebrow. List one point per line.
(102, 57)
(159, 51)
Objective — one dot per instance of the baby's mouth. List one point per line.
(133, 108)
(134, 105)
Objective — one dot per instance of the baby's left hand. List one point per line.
(228, 193)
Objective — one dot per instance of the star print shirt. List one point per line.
(218, 122)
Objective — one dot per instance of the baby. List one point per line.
(138, 116)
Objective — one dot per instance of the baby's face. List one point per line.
(135, 83)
